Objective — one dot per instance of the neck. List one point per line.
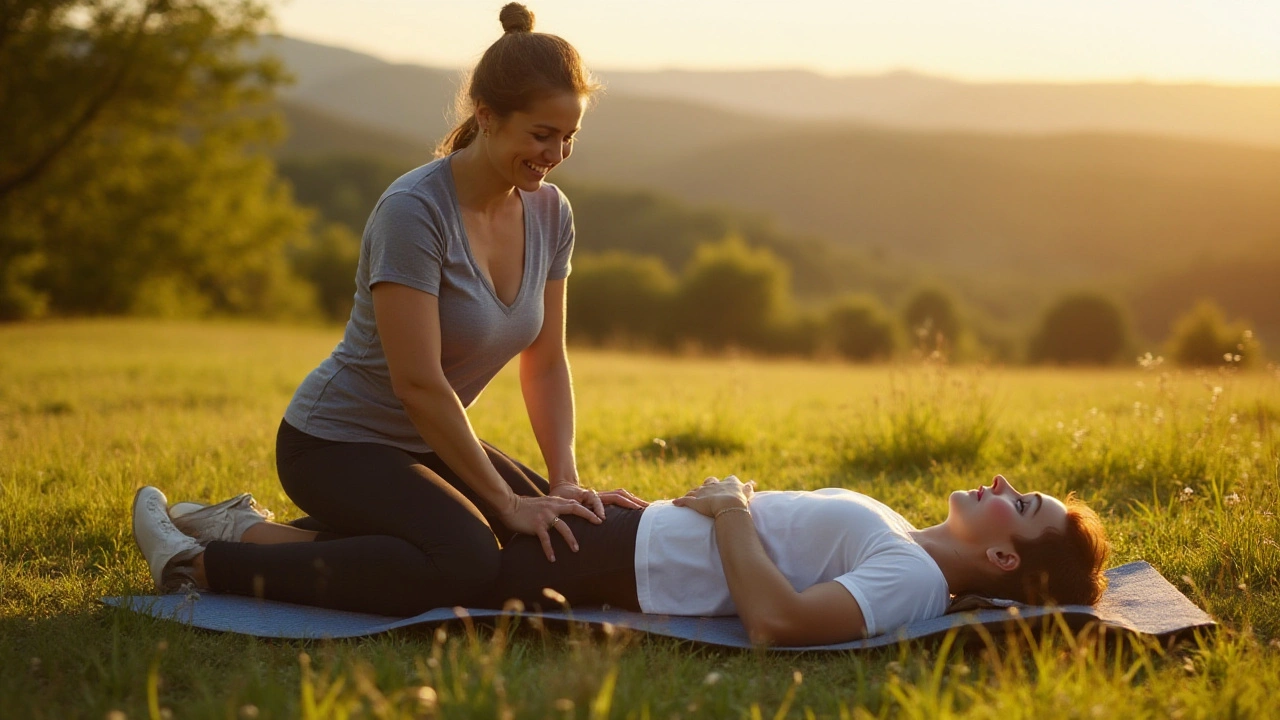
(479, 187)
(960, 561)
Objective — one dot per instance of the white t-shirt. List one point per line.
(813, 537)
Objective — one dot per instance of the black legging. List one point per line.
(602, 572)
(401, 532)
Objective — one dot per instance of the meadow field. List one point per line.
(1182, 465)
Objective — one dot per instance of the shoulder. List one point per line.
(424, 187)
(550, 202)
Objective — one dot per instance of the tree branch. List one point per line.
(39, 165)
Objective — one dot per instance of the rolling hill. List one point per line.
(1011, 217)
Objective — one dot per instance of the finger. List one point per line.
(582, 512)
(545, 539)
(563, 528)
(626, 501)
(710, 480)
(681, 501)
(595, 503)
(632, 496)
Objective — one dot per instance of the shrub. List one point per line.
(328, 261)
(930, 316)
(619, 296)
(1081, 329)
(859, 328)
(1203, 337)
(731, 295)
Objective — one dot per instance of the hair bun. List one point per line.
(516, 18)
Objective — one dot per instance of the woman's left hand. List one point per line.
(595, 501)
(714, 495)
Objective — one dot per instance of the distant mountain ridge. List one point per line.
(1013, 217)
(343, 81)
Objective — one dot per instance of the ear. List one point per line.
(484, 115)
(1004, 557)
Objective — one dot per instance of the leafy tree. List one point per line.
(343, 189)
(127, 174)
(731, 294)
(931, 318)
(1203, 337)
(860, 329)
(328, 261)
(619, 296)
(1081, 329)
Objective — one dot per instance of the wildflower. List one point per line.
(1232, 499)
(711, 679)
(248, 711)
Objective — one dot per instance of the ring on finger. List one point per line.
(554, 520)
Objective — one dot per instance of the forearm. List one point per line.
(548, 397)
(763, 596)
(442, 422)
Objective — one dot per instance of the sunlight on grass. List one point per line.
(1183, 467)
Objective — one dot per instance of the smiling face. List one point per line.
(991, 516)
(525, 146)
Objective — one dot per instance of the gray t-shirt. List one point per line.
(415, 237)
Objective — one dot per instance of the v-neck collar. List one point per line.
(466, 244)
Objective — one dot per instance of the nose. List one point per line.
(999, 484)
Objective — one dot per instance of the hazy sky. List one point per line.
(1236, 41)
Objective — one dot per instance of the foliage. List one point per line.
(328, 262)
(931, 318)
(730, 294)
(619, 297)
(1082, 328)
(343, 189)
(1243, 286)
(127, 179)
(1203, 337)
(860, 329)
(90, 410)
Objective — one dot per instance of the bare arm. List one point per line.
(546, 383)
(408, 323)
(770, 608)
(548, 390)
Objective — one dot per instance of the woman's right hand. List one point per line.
(539, 515)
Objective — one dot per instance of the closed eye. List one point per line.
(1022, 505)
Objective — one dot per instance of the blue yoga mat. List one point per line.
(1138, 599)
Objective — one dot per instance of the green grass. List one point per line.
(1185, 476)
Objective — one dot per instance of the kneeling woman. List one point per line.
(798, 567)
(818, 567)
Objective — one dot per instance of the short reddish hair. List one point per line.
(1062, 568)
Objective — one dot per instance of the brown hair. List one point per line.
(1063, 568)
(520, 68)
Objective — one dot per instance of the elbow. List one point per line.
(419, 391)
(769, 630)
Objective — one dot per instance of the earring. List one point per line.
(486, 132)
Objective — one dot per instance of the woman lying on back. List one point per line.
(818, 567)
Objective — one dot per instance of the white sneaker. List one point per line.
(167, 551)
(227, 520)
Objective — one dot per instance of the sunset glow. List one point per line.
(1222, 41)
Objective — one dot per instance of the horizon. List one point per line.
(820, 73)
(1191, 42)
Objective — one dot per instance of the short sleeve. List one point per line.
(406, 245)
(561, 262)
(895, 588)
